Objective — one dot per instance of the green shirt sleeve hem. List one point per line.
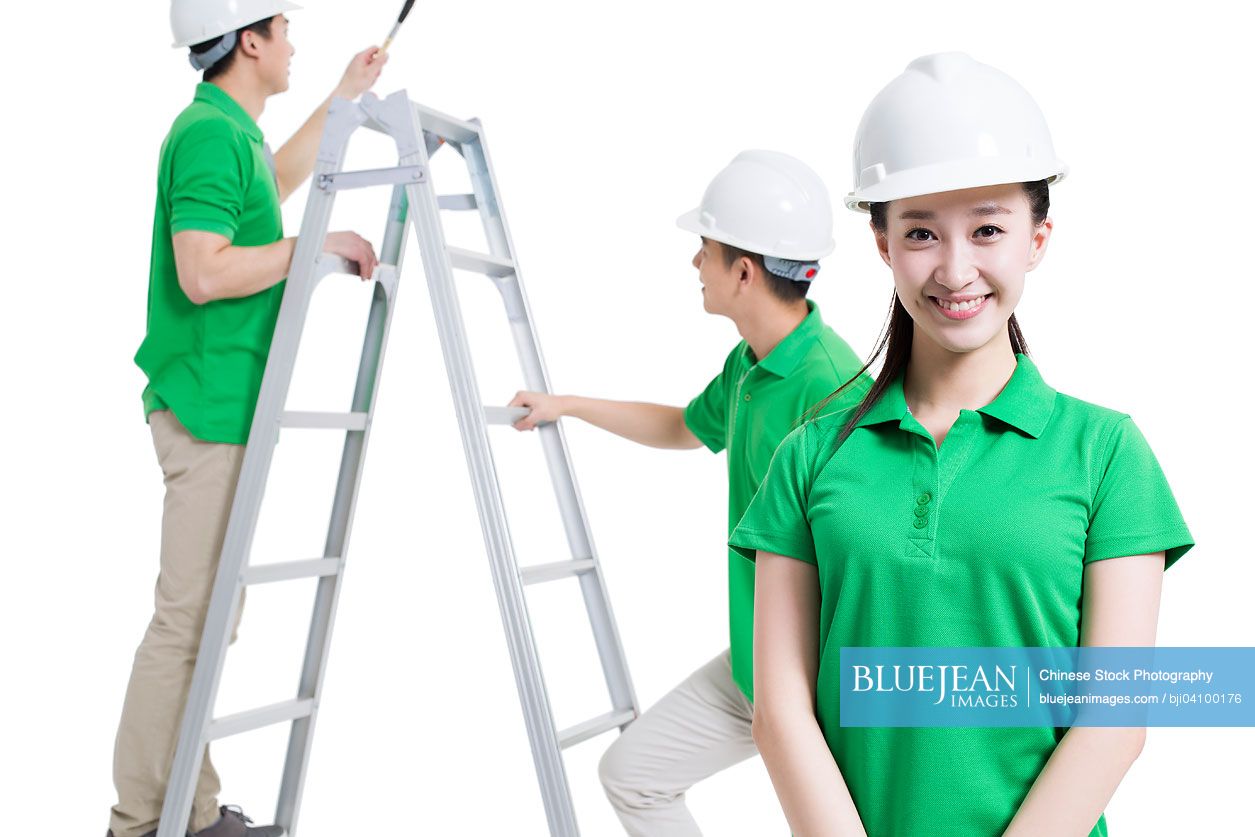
(748, 541)
(203, 225)
(715, 443)
(1173, 542)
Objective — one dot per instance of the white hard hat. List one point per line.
(949, 122)
(768, 203)
(197, 21)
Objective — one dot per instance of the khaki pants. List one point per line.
(700, 727)
(200, 480)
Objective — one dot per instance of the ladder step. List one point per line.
(288, 570)
(504, 415)
(552, 572)
(457, 202)
(479, 262)
(331, 421)
(327, 264)
(596, 726)
(253, 719)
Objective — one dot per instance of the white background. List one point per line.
(605, 121)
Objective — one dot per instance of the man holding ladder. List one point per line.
(765, 221)
(216, 275)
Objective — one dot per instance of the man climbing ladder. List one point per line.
(216, 275)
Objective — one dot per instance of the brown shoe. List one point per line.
(231, 823)
(152, 833)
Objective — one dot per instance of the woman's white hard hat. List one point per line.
(197, 21)
(949, 122)
(768, 203)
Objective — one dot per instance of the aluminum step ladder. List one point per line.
(418, 132)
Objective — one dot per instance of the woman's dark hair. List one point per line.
(261, 27)
(785, 290)
(1037, 192)
(896, 336)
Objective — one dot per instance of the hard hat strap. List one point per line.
(790, 269)
(205, 60)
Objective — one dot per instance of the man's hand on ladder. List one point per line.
(354, 248)
(544, 408)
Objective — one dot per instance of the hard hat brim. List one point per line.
(952, 176)
(691, 221)
(280, 6)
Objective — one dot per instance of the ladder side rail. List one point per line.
(553, 439)
(342, 119)
(529, 679)
(322, 622)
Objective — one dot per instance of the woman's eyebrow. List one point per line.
(990, 209)
(981, 211)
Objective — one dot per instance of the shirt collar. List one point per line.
(1025, 403)
(212, 94)
(784, 358)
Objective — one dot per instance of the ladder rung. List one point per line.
(288, 570)
(328, 264)
(596, 726)
(504, 415)
(253, 719)
(333, 421)
(552, 572)
(457, 201)
(479, 262)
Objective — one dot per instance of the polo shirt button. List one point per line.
(923, 498)
(747, 396)
(921, 522)
(921, 511)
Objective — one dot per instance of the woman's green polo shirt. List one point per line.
(205, 362)
(979, 543)
(748, 408)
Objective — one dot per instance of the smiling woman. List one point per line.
(957, 254)
(962, 502)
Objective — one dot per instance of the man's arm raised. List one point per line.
(295, 160)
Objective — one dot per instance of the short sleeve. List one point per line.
(1134, 512)
(207, 182)
(776, 519)
(707, 414)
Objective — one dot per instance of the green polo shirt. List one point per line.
(205, 362)
(748, 408)
(981, 542)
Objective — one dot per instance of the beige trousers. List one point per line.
(700, 727)
(200, 480)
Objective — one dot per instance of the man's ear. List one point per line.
(248, 43)
(1037, 246)
(745, 272)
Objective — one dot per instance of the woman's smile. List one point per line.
(961, 307)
